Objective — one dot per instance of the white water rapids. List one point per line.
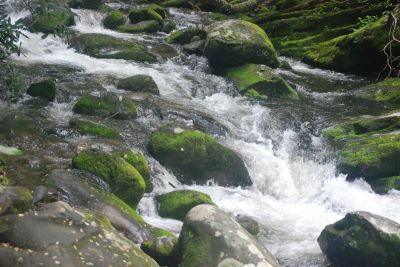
(294, 195)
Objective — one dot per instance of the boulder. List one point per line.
(385, 92)
(123, 217)
(15, 199)
(105, 46)
(236, 42)
(125, 181)
(59, 235)
(56, 18)
(362, 239)
(139, 83)
(165, 51)
(106, 105)
(185, 36)
(162, 250)
(92, 128)
(114, 19)
(176, 204)
(210, 237)
(45, 89)
(195, 47)
(148, 26)
(261, 79)
(196, 157)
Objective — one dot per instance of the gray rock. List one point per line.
(210, 237)
(362, 239)
(139, 83)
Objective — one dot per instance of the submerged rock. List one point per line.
(105, 46)
(44, 89)
(123, 217)
(210, 237)
(362, 239)
(59, 235)
(196, 157)
(261, 79)
(162, 250)
(237, 42)
(106, 105)
(176, 204)
(124, 180)
(139, 83)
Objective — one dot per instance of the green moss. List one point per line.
(254, 94)
(114, 19)
(177, 204)
(259, 78)
(371, 157)
(44, 89)
(161, 249)
(143, 26)
(195, 157)
(105, 46)
(148, 12)
(124, 180)
(51, 18)
(88, 127)
(106, 105)
(139, 161)
(184, 36)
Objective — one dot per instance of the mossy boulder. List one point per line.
(262, 79)
(210, 237)
(114, 19)
(124, 180)
(45, 89)
(148, 12)
(386, 92)
(237, 42)
(53, 18)
(140, 163)
(59, 235)
(123, 217)
(384, 185)
(176, 204)
(371, 157)
(185, 36)
(139, 83)
(106, 105)
(148, 26)
(196, 157)
(92, 128)
(362, 239)
(161, 249)
(105, 46)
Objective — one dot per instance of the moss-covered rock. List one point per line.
(176, 204)
(92, 128)
(185, 36)
(45, 89)
(371, 157)
(386, 92)
(105, 46)
(384, 185)
(114, 19)
(196, 157)
(140, 163)
(362, 239)
(168, 26)
(15, 199)
(161, 249)
(58, 234)
(210, 237)
(50, 18)
(148, 26)
(237, 42)
(107, 106)
(139, 83)
(149, 12)
(262, 79)
(124, 180)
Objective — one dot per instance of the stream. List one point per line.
(296, 190)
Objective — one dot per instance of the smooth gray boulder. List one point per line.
(362, 239)
(210, 237)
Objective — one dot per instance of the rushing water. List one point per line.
(296, 190)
